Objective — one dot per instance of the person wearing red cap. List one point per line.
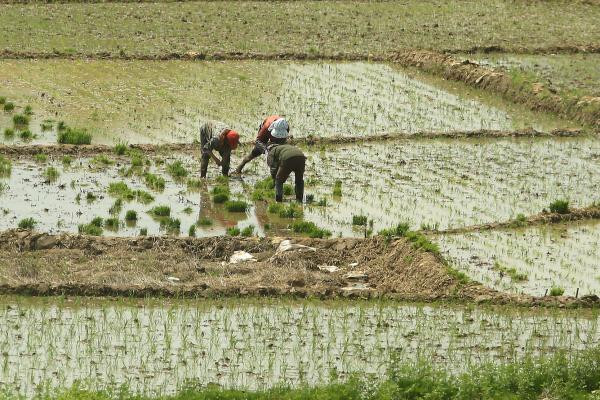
(226, 141)
(260, 145)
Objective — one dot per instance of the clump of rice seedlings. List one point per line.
(74, 136)
(28, 110)
(97, 221)
(177, 170)
(204, 221)
(116, 208)
(291, 211)
(194, 184)
(247, 231)
(137, 161)
(20, 120)
(51, 174)
(143, 197)
(67, 160)
(5, 166)
(192, 231)
(2, 100)
(310, 198)
(9, 133)
(154, 182)
(102, 160)
(8, 106)
(337, 188)
(359, 220)
(122, 191)
(46, 125)
(556, 291)
(90, 197)
(222, 180)
(27, 223)
(264, 190)
(519, 221)
(144, 232)
(61, 126)
(322, 203)
(112, 223)
(90, 229)
(236, 206)
(233, 231)
(310, 229)
(399, 230)
(78, 198)
(188, 210)
(160, 211)
(26, 135)
(3, 187)
(120, 148)
(131, 215)
(559, 206)
(511, 272)
(41, 157)
(288, 189)
(275, 208)
(220, 194)
(172, 225)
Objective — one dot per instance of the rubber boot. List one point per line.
(278, 191)
(299, 191)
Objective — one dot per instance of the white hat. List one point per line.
(279, 128)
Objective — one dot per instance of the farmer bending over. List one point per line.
(260, 144)
(283, 159)
(224, 142)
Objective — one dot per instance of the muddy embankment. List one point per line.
(536, 95)
(91, 150)
(41, 264)
(575, 214)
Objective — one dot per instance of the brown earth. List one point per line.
(92, 150)
(41, 264)
(575, 214)
(536, 95)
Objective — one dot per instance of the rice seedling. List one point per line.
(177, 170)
(102, 160)
(131, 215)
(247, 231)
(120, 148)
(41, 158)
(220, 194)
(75, 136)
(122, 191)
(222, 180)
(337, 188)
(26, 135)
(90, 229)
(310, 198)
(90, 197)
(204, 221)
(188, 210)
(2, 100)
(560, 206)
(291, 211)
(46, 125)
(192, 231)
(144, 232)
(556, 291)
(5, 166)
(288, 190)
(27, 223)
(359, 220)
(111, 223)
(160, 211)
(3, 187)
(116, 208)
(28, 110)
(511, 272)
(154, 182)
(67, 160)
(236, 206)
(194, 184)
(171, 225)
(9, 133)
(20, 120)
(8, 106)
(233, 231)
(310, 229)
(51, 174)
(61, 126)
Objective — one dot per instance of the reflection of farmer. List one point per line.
(224, 142)
(283, 159)
(260, 145)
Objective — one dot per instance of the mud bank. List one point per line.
(536, 96)
(40, 264)
(91, 150)
(577, 214)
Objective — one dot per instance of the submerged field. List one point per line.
(166, 101)
(155, 347)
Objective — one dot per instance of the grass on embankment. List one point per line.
(311, 28)
(556, 377)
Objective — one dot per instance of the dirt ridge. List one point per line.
(536, 96)
(36, 263)
(94, 149)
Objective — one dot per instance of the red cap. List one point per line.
(233, 139)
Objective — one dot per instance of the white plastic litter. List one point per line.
(356, 276)
(353, 265)
(328, 268)
(173, 279)
(287, 245)
(241, 256)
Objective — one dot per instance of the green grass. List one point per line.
(291, 211)
(90, 229)
(247, 231)
(172, 225)
(122, 191)
(102, 160)
(131, 215)
(27, 223)
(556, 291)
(337, 189)
(194, 184)
(192, 231)
(41, 157)
(116, 208)
(9, 133)
(511, 272)
(51, 174)
(74, 136)
(20, 120)
(236, 206)
(233, 231)
(8, 106)
(562, 375)
(160, 211)
(359, 220)
(154, 182)
(111, 223)
(310, 229)
(311, 27)
(120, 148)
(26, 135)
(5, 166)
(559, 206)
(144, 232)
(67, 160)
(177, 170)
(204, 221)
(28, 110)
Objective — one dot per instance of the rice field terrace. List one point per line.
(166, 101)
(155, 347)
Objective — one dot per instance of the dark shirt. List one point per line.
(281, 152)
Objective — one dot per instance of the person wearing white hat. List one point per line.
(283, 159)
(260, 144)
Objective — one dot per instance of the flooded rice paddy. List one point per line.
(564, 256)
(157, 346)
(428, 183)
(166, 101)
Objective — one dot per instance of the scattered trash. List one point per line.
(354, 264)
(357, 287)
(173, 279)
(328, 268)
(287, 245)
(241, 256)
(356, 276)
